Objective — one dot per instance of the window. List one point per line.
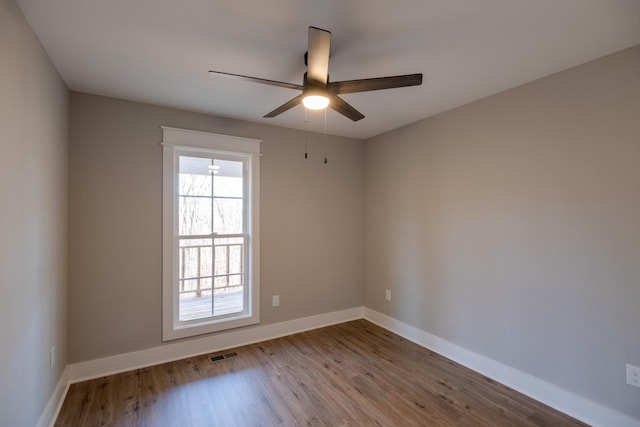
(210, 232)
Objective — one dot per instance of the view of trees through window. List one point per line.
(211, 273)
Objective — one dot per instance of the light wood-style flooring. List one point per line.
(352, 374)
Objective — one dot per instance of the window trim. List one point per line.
(176, 141)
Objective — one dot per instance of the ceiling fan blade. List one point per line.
(284, 107)
(338, 104)
(257, 80)
(379, 83)
(318, 56)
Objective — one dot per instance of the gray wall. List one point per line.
(33, 197)
(511, 226)
(508, 226)
(311, 222)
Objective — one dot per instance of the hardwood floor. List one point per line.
(352, 374)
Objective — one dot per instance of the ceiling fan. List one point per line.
(317, 91)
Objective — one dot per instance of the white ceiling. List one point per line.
(159, 51)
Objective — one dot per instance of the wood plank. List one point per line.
(352, 374)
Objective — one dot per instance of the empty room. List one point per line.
(321, 213)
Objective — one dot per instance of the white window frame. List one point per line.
(180, 141)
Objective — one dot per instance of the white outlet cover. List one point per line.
(276, 300)
(387, 295)
(633, 375)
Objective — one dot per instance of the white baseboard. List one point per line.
(542, 391)
(50, 413)
(564, 401)
(208, 344)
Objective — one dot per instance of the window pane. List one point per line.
(227, 181)
(195, 258)
(210, 274)
(235, 259)
(195, 299)
(229, 256)
(221, 282)
(206, 261)
(188, 263)
(235, 280)
(195, 287)
(195, 176)
(194, 215)
(221, 260)
(228, 302)
(227, 216)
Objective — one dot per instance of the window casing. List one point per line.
(210, 232)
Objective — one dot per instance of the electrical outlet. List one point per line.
(633, 376)
(387, 295)
(52, 357)
(276, 300)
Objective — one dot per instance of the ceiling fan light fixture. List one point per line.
(318, 92)
(315, 102)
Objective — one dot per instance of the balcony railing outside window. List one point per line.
(211, 276)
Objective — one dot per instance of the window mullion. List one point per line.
(213, 245)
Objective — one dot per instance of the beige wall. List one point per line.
(311, 222)
(33, 197)
(511, 226)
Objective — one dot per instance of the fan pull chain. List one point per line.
(325, 136)
(306, 151)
